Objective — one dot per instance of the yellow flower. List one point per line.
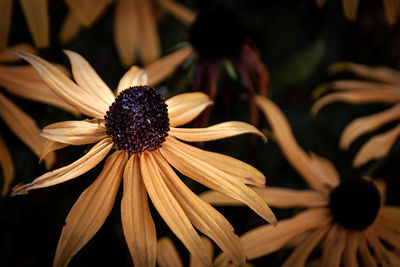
(142, 126)
(37, 16)
(392, 9)
(135, 27)
(347, 217)
(385, 88)
(22, 81)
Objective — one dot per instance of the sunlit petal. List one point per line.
(194, 262)
(37, 16)
(167, 255)
(7, 167)
(133, 77)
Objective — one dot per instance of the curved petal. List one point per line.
(203, 216)
(300, 161)
(212, 177)
(48, 147)
(135, 76)
(89, 80)
(71, 171)
(75, 132)
(266, 239)
(377, 147)
(350, 9)
(177, 10)
(66, 89)
(361, 85)
(167, 255)
(5, 21)
(186, 107)
(91, 209)
(333, 247)
(7, 167)
(215, 132)
(274, 197)
(367, 124)
(137, 223)
(9, 54)
(70, 28)
(37, 16)
(170, 209)
(160, 69)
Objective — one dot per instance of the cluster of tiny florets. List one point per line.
(138, 120)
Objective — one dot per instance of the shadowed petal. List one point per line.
(91, 209)
(89, 80)
(333, 247)
(159, 70)
(87, 11)
(215, 132)
(390, 236)
(73, 170)
(8, 54)
(75, 132)
(177, 10)
(384, 256)
(138, 225)
(377, 147)
(367, 124)
(186, 107)
(389, 216)
(361, 85)
(167, 255)
(203, 216)
(48, 147)
(66, 89)
(133, 77)
(320, 3)
(300, 255)
(70, 27)
(350, 9)
(212, 177)
(37, 16)
(267, 239)
(365, 253)
(274, 197)
(391, 10)
(5, 21)
(350, 253)
(169, 208)
(300, 161)
(7, 167)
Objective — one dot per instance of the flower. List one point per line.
(217, 38)
(392, 10)
(22, 81)
(142, 126)
(347, 217)
(385, 88)
(135, 27)
(37, 17)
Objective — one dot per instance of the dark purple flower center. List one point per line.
(355, 203)
(138, 120)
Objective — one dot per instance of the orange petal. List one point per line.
(365, 253)
(88, 11)
(70, 28)
(350, 9)
(177, 10)
(37, 16)
(80, 166)
(389, 216)
(137, 223)
(91, 209)
(391, 10)
(8, 54)
(333, 247)
(203, 216)
(170, 209)
(167, 255)
(162, 68)
(215, 132)
(135, 76)
(194, 262)
(5, 21)
(7, 167)
(382, 255)
(66, 89)
(392, 237)
(350, 253)
(186, 107)
(212, 177)
(48, 147)
(327, 170)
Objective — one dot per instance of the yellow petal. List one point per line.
(274, 197)
(7, 167)
(194, 262)
(167, 255)
(170, 209)
(215, 132)
(8, 54)
(89, 80)
(138, 226)
(350, 9)
(71, 171)
(367, 124)
(5, 21)
(70, 28)
(75, 132)
(126, 30)
(377, 147)
(333, 247)
(300, 161)
(266, 239)
(50, 146)
(212, 177)
(186, 107)
(91, 209)
(300, 255)
(203, 216)
(66, 89)
(247, 173)
(162, 68)
(350, 253)
(135, 76)
(88, 11)
(24, 81)
(391, 10)
(177, 10)
(37, 17)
